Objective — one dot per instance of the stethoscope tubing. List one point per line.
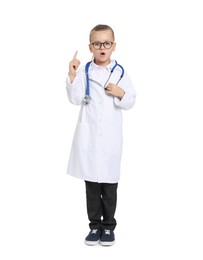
(87, 97)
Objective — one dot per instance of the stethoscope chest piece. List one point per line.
(86, 99)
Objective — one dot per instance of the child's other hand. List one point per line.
(114, 90)
(73, 65)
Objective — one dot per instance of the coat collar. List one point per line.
(108, 67)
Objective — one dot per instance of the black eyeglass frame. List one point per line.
(100, 44)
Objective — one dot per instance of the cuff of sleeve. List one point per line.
(68, 80)
(119, 101)
(126, 102)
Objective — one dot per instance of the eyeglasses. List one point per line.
(98, 45)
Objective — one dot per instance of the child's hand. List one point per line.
(114, 90)
(73, 66)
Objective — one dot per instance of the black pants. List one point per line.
(101, 204)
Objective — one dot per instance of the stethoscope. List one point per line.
(87, 98)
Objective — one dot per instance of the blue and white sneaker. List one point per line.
(93, 237)
(107, 238)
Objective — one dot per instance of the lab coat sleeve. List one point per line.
(76, 89)
(128, 100)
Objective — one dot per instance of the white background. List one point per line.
(43, 210)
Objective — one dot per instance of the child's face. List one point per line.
(102, 52)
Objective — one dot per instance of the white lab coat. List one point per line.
(97, 144)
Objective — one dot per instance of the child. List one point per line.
(102, 89)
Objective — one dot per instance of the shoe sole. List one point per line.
(91, 243)
(106, 243)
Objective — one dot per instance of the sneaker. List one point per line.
(107, 238)
(93, 237)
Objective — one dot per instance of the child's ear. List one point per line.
(90, 47)
(114, 46)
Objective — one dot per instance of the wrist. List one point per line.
(121, 94)
(71, 76)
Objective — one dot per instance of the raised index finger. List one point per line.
(75, 55)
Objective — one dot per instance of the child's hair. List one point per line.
(101, 27)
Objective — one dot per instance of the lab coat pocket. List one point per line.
(84, 138)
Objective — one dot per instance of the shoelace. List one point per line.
(107, 231)
(94, 231)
